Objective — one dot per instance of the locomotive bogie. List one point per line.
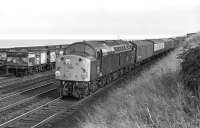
(73, 88)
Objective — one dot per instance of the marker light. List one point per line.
(57, 73)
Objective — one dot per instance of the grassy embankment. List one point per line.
(154, 99)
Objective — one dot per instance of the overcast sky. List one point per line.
(83, 18)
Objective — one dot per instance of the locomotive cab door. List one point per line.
(99, 62)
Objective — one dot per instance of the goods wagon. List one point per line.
(179, 40)
(29, 60)
(3, 56)
(89, 65)
(172, 43)
(190, 34)
(144, 50)
(158, 46)
(168, 44)
(23, 61)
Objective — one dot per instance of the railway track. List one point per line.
(24, 80)
(1, 77)
(4, 80)
(16, 105)
(8, 90)
(35, 116)
(65, 113)
(19, 97)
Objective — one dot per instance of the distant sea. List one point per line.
(28, 42)
(19, 42)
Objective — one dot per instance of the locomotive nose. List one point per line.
(73, 68)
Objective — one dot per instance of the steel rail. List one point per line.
(24, 100)
(27, 113)
(20, 92)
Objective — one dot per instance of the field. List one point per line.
(155, 98)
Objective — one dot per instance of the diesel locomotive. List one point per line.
(89, 65)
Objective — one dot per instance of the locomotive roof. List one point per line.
(99, 45)
(168, 39)
(107, 46)
(96, 44)
(162, 40)
(141, 42)
(157, 41)
(110, 46)
(116, 42)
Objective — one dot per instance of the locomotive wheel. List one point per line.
(110, 78)
(84, 94)
(87, 93)
(100, 83)
(92, 87)
(107, 80)
(104, 81)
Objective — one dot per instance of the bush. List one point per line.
(190, 69)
